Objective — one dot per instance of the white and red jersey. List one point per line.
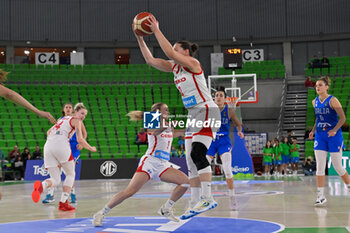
(192, 86)
(62, 130)
(160, 145)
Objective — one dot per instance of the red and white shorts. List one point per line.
(57, 152)
(204, 112)
(152, 166)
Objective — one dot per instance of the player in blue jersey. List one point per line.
(75, 148)
(222, 144)
(328, 136)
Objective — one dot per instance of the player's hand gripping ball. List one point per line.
(139, 24)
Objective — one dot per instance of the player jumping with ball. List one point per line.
(190, 81)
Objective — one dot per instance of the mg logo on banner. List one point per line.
(108, 168)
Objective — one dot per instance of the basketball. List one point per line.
(139, 24)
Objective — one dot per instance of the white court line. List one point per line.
(347, 228)
(137, 224)
(150, 218)
(127, 230)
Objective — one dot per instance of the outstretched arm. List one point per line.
(18, 99)
(169, 51)
(157, 63)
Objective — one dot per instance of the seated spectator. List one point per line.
(307, 132)
(14, 153)
(315, 63)
(25, 156)
(309, 167)
(37, 153)
(345, 127)
(325, 62)
(19, 166)
(141, 138)
(174, 152)
(181, 141)
(2, 155)
(181, 151)
(309, 83)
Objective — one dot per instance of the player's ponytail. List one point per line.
(326, 80)
(78, 107)
(3, 76)
(192, 47)
(138, 115)
(135, 115)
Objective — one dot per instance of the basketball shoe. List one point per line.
(320, 201)
(98, 217)
(37, 190)
(65, 206)
(168, 213)
(49, 199)
(204, 205)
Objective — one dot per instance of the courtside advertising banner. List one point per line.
(108, 168)
(345, 163)
(35, 170)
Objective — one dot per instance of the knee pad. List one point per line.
(55, 176)
(337, 163)
(69, 170)
(321, 158)
(191, 167)
(226, 164)
(198, 155)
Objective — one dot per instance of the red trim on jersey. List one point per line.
(205, 131)
(193, 72)
(70, 123)
(188, 137)
(178, 69)
(195, 82)
(71, 157)
(163, 171)
(172, 69)
(139, 169)
(155, 144)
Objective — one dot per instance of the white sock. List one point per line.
(106, 210)
(169, 204)
(45, 184)
(206, 189)
(320, 191)
(64, 197)
(231, 192)
(73, 191)
(50, 191)
(195, 194)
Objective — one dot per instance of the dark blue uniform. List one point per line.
(326, 120)
(222, 142)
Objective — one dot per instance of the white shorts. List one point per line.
(152, 166)
(204, 112)
(56, 152)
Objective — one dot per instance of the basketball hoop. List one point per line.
(232, 101)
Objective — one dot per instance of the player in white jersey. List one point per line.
(18, 99)
(67, 110)
(153, 165)
(57, 152)
(191, 83)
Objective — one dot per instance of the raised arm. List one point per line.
(18, 99)
(157, 63)
(169, 51)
